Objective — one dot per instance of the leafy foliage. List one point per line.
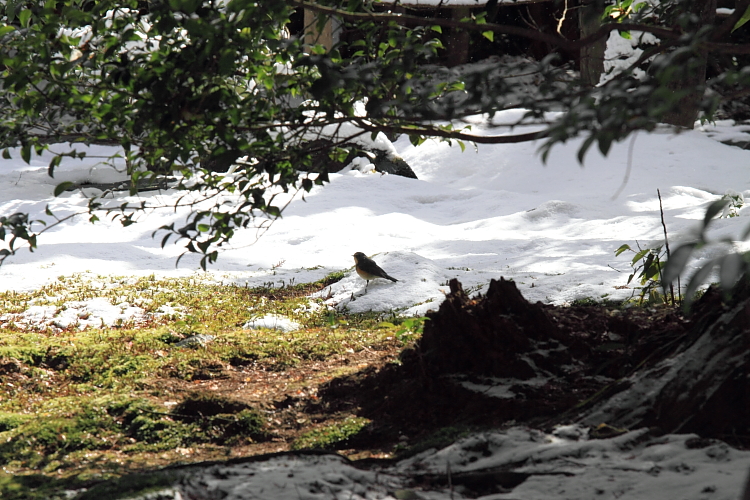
(731, 264)
(189, 89)
(647, 264)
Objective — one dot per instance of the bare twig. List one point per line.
(450, 478)
(666, 244)
(629, 168)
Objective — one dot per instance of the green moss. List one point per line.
(602, 302)
(69, 394)
(9, 421)
(221, 420)
(36, 487)
(332, 436)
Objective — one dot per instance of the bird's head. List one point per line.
(359, 256)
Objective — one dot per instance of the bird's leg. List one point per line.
(368, 282)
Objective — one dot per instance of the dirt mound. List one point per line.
(488, 335)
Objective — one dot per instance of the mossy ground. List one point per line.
(81, 404)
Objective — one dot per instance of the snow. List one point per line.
(564, 464)
(635, 465)
(488, 212)
(623, 52)
(273, 322)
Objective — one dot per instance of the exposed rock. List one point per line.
(382, 161)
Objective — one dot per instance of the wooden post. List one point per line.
(313, 36)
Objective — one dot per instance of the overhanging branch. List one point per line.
(450, 134)
(558, 41)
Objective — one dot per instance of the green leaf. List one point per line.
(697, 280)
(26, 153)
(730, 270)
(584, 147)
(24, 17)
(713, 210)
(677, 262)
(639, 255)
(744, 19)
(437, 29)
(623, 248)
(62, 187)
(52, 164)
(489, 35)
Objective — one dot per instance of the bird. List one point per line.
(368, 269)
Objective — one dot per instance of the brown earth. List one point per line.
(555, 362)
(410, 396)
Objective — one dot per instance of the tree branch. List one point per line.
(450, 134)
(569, 45)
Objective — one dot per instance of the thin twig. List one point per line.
(562, 19)
(629, 168)
(666, 244)
(613, 268)
(450, 479)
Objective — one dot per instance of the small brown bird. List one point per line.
(368, 269)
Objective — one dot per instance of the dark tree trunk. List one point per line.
(591, 56)
(458, 40)
(691, 71)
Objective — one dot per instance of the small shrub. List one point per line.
(647, 264)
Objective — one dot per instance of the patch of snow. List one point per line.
(92, 313)
(272, 322)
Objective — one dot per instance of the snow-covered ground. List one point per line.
(477, 215)
(565, 464)
(481, 214)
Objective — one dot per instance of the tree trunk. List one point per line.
(592, 56)
(691, 72)
(458, 40)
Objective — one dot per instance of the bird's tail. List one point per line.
(390, 278)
